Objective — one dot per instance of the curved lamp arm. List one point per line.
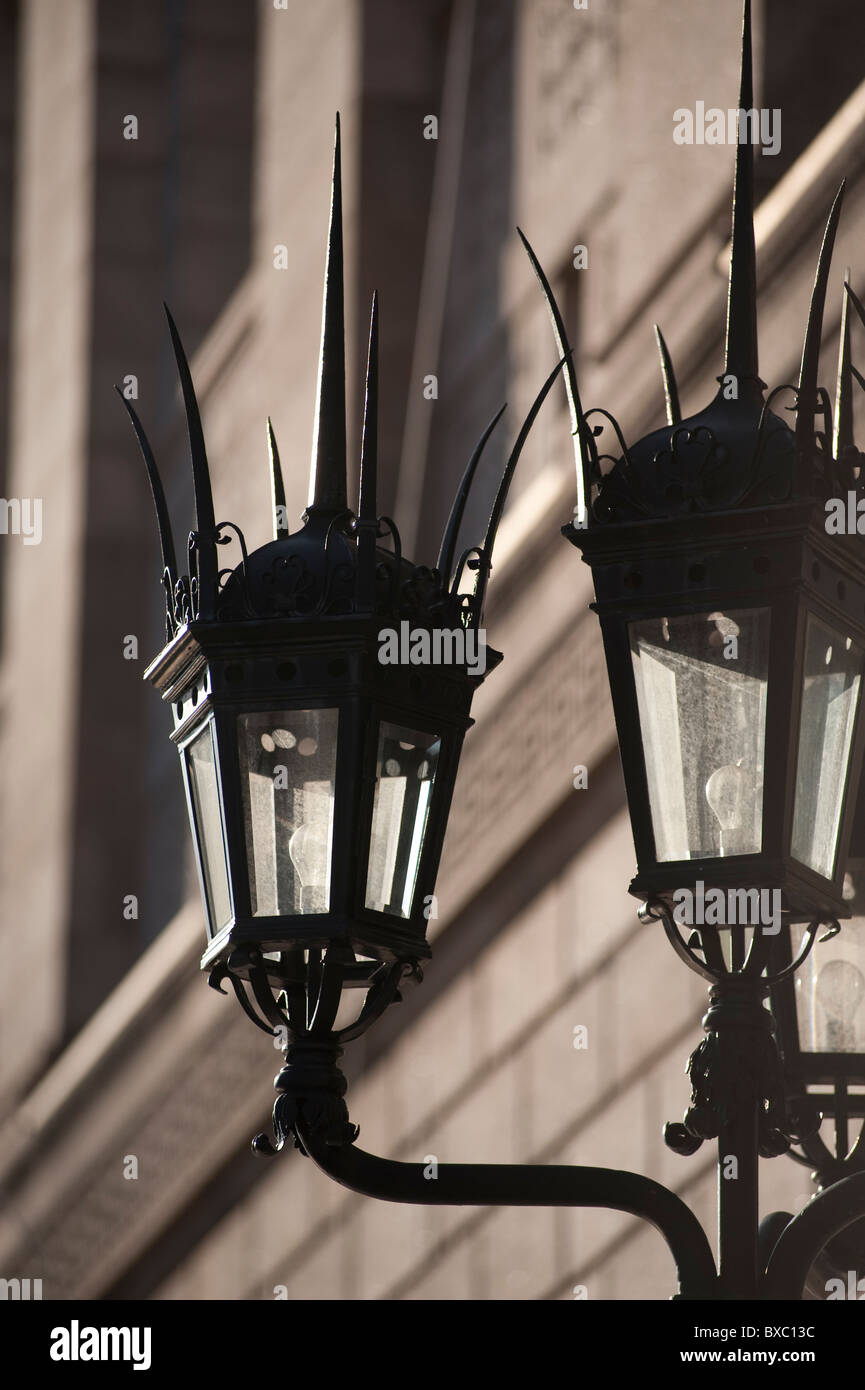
(532, 1185)
(826, 1216)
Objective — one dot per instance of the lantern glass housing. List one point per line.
(702, 681)
(830, 696)
(288, 785)
(405, 774)
(206, 813)
(830, 993)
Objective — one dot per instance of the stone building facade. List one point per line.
(214, 198)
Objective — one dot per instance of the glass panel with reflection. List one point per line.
(405, 773)
(830, 697)
(702, 681)
(201, 763)
(288, 772)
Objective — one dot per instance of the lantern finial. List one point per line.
(574, 406)
(366, 507)
(843, 436)
(806, 403)
(163, 520)
(367, 520)
(445, 562)
(277, 486)
(205, 543)
(327, 483)
(671, 391)
(485, 562)
(741, 355)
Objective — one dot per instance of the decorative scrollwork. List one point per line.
(738, 1064)
(311, 1086)
(300, 994)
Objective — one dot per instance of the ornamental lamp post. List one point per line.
(319, 776)
(320, 693)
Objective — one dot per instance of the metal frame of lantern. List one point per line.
(723, 514)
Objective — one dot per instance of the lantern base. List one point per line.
(386, 942)
(311, 1087)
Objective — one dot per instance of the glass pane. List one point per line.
(201, 763)
(830, 695)
(701, 683)
(287, 775)
(405, 773)
(830, 991)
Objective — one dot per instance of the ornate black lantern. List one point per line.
(320, 690)
(733, 618)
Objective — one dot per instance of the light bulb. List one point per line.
(308, 851)
(727, 792)
(840, 990)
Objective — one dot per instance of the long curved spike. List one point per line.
(860, 310)
(204, 517)
(504, 485)
(366, 503)
(445, 562)
(277, 486)
(200, 472)
(843, 435)
(855, 301)
(327, 481)
(366, 506)
(807, 398)
(741, 357)
(671, 390)
(574, 406)
(163, 520)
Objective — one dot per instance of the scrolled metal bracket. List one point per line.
(739, 1061)
(298, 996)
(312, 1090)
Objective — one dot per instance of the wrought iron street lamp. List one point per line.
(733, 624)
(320, 692)
(319, 778)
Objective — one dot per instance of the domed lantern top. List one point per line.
(732, 611)
(321, 690)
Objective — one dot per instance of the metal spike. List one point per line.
(843, 435)
(741, 358)
(445, 561)
(855, 301)
(367, 519)
(860, 310)
(327, 481)
(504, 485)
(574, 406)
(671, 391)
(204, 519)
(366, 507)
(277, 487)
(163, 520)
(806, 404)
